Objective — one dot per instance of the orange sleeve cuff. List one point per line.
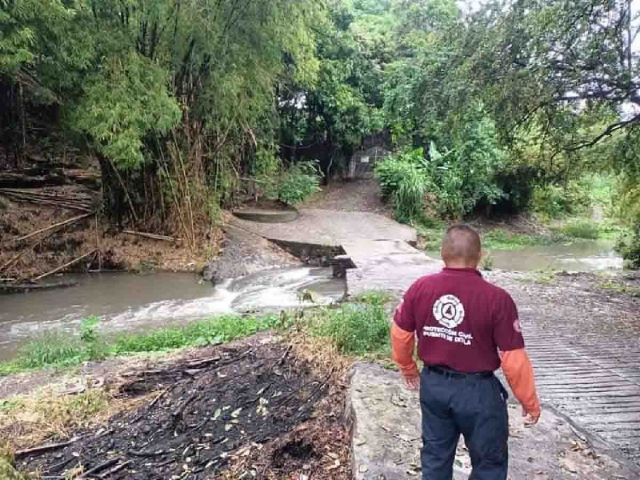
(518, 370)
(402, 348)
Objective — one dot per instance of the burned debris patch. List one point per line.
(250, 409)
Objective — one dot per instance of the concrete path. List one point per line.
(389, 265)
(331, 228)
(586, 354)
(378, 247)
(386, 439)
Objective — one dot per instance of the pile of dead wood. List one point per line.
(41, 177)
(81, 203)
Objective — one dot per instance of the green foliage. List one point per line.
(354, 329)
(466, 175)
(581, 229)
(8, 472)
(183, 98)
(404, 180)
(298, 183)
(374, 297)
(50, 350)
(629, 247)
(122, 104)
(550, 201)
(499, 239)
(93, 344)
(196, 334)
(60, 350)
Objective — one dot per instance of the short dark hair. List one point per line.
(461, 241)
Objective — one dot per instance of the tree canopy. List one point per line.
(181, 99)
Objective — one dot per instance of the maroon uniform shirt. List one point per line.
(461, 320)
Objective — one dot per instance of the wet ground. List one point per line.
(583, 336)
(128, 302)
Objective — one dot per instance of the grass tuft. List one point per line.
(583, 229)
(354, 328)
(57, 350)
(197, 334)
(32, 419)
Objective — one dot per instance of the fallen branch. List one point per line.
(46, 195)
(68, 264)
(56, 225)
(46, 448)
(150, 406)
(116, 469)
(177, 413)
(61, 203)
(150, 235)
(100, 467)
(17, 257)
(136, 453)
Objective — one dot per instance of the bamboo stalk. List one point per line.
(126, 191)
(150, 235)
(55, 225)
(98, 246)
(68, 264)
(62, 203)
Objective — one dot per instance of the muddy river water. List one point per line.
(577, 256)
(128, 302)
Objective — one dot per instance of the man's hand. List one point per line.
(412, 383)
(529, 419)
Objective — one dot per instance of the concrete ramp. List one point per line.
(386, 438)
(331, 228)
(389, 265)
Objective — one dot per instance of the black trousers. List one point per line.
(474, 406)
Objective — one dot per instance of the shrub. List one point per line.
(51, 350)
(582, 229)
(298, 183)
(94, 346)
(354, 328)
(557, 201)
(466, 175)
(404, 180)
(629, 247)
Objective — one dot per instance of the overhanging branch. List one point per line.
(610, 130)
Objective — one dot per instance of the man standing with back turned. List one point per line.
(466, 329)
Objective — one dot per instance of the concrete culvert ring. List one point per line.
(284, 215)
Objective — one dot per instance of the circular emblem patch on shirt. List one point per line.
(449, 311)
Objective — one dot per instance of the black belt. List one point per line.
(453, 374)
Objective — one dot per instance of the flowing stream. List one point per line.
(128, 302)
(576, 256)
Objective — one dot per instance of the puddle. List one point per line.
(127, 302)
